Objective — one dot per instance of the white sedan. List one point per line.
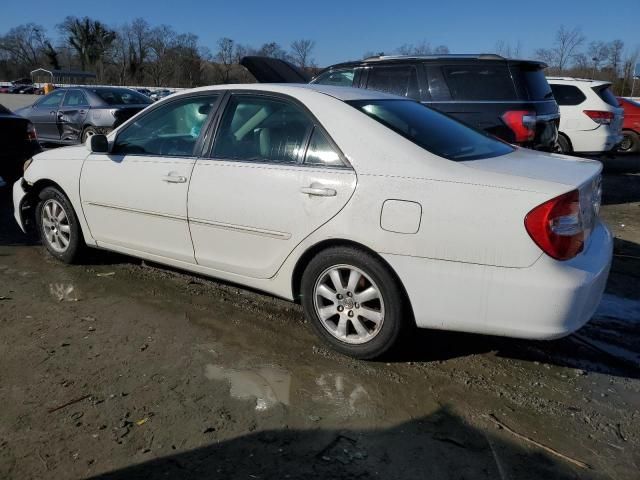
(375, 212)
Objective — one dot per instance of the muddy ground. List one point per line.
(122, 369)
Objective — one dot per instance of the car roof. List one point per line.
(449, 58)
(294, 89)
(572, 80)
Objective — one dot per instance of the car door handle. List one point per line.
(319, 191)
(173, 178)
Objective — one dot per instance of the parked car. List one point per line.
(71, 115)
(508, 98)
(158, 94)
(374, 211)
(5, 88)
(630, 126)
(590, 117)
(19, 143)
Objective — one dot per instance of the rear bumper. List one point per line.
(548, 300)
(594, 141)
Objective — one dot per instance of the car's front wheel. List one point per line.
(354, 302)
(58, 226)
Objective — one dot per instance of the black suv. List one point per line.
(510, 99)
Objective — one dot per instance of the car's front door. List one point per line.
(72, 115)
(135, 198)
(273, 177)
(44, 116)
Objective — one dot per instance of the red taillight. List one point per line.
(522, 123)
(31, 132)
(598, 116)
(556, 226)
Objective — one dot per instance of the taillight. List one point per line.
(600, 117)
(522, 123)
(31, 132)
(556, 226)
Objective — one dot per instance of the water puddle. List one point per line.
(267, 386)
(64, 292)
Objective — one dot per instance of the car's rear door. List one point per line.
(135, 198)
(272, 178)
(72, 115)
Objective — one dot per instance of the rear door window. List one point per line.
(258, 128)
(605, 93)
(479, 82)
(337, 78)
(567, 94)
(398, 80)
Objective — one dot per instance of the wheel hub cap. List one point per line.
(55, 226)
(348, 304)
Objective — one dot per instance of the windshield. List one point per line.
(121, 96)
(431, 130)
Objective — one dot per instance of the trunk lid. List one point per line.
(569, 173)
(274, 70)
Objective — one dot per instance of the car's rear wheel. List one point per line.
(630, 142)
(88, 132)
(354, 302)
(564, 146)
(58, 226)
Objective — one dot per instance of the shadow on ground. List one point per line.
(440, 446)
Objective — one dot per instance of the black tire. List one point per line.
(564, 146)
(87, 132)
(71, 253)
(396, 318)
(630, 142)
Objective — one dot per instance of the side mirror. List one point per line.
(98, 143)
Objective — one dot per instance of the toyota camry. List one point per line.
(373, 211)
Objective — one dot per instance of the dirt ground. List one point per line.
(118, 369)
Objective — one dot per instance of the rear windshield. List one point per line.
(431, 130)
(480, 82)
(605, 93)
(532, 82)
(121, 96)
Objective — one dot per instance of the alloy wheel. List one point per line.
(55, 225)
(349, 304)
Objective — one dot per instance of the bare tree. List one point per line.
(24, 44)
(564, 48)
(507, 50)
(301, 52)
(226, 47)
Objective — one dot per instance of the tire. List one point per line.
(564, 146)
(344, 327)
(630, 142)
(88, 132)
(58, 226)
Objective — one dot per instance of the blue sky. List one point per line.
(346, 29)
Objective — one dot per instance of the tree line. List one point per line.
(572, 54)
(136, 53)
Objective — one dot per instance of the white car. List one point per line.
(590, 116)
(374, 211)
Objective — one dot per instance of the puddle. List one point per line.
(619, 308)
(64, 292)
(267, 386)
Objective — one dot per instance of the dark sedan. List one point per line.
(19, 142)
(69, 115)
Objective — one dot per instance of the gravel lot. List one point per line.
(120, 369)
